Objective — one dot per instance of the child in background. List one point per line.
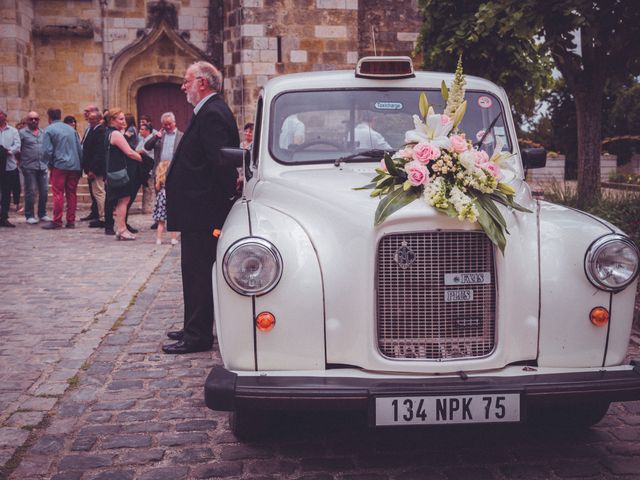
(160, 208)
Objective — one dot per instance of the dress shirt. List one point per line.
(31, 152)
(202, 102)
(368, 138)
(10, 139)
(168, 141)
(61, 145)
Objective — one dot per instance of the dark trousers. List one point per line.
(8, 181)
(94, 203)
(198, 251)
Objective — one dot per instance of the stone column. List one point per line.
(16, 58)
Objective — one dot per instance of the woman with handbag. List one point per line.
(122, 165)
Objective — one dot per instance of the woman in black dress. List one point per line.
(120, 156)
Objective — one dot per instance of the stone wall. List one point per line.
(266, 38)
(17, 85)
(394, 34)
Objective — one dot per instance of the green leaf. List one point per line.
(459, 114)
(368, 186)
(493, 230)
(508, 201)
(444, 91)
(487, 204)
(393, 202)
(406, 185)
(424, 105)
(391, 166)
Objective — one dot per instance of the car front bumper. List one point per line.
(228, 391)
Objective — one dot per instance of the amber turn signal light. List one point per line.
(265, 321)
(216, 232)
(599, 316)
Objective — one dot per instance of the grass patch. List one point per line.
(118, 323)
(73, 382)
(622, 208)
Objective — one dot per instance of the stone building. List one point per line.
(133, 53)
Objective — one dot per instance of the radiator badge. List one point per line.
(404, 256)
(475, 278)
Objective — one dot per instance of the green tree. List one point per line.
(590, 41)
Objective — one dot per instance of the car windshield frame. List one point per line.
(276, 120)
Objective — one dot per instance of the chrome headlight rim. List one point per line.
(260, 243)
(591, 258)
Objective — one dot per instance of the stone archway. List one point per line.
(162, 56)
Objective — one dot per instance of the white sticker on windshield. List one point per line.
(388, 105)
(484, 102)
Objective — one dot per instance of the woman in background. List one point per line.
(131, 132)
(120, 156)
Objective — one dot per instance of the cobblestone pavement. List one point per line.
(87, 394)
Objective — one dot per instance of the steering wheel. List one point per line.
(311, 143)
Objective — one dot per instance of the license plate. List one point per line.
(442, 410)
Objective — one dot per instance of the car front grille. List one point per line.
(419, 316)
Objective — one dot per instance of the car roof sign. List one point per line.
(385, 67)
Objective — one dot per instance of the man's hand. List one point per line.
(91, 175)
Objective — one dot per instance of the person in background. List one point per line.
(148, 188)
(120, 156)
(164, 143)
(9, 179)
(160, 208)
(71, 121)
(366, 137)
(34, 169)
(292, 132)
(93, 164)
(248, 136)
(200, 192)
(131, 132)
(62, 152)
(93, 213)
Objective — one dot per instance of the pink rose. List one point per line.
(481, 157)
(492, 168)
(425, 152)
(458, 143)
(417, 173)
(406, 152)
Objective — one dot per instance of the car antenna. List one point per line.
(373, 36)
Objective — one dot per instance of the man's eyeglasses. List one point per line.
(33, 119)
(187, 82)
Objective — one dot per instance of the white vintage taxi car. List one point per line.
(419, 320)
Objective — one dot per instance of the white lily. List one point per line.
(504, 160)
(433, 131)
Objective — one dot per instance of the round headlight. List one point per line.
(612, 262)
(252, 266)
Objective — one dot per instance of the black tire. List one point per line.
(580, 415)
(249, 425)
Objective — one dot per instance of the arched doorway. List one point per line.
(158, 98)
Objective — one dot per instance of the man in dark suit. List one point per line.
(200, 192)
(93, 164)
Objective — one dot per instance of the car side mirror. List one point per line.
(233, 157)
(534, 157)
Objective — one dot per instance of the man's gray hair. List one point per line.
(168, 115)
(210, 73)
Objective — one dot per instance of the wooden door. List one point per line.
(158, 98)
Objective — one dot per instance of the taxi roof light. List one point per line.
(385, 67)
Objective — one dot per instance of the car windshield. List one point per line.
(322, 126)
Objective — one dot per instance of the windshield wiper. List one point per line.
(373, 153)
(486, 132)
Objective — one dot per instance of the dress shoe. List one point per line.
(131, 229)
(89, 217)
(154, 226)
(6, 223)
(175, 334)
(96, 224)
(52, 226)
(181, 347)
(109, 231)
(70, 225)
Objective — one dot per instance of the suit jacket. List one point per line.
(200, 190)
(154, 143)
(93, 151)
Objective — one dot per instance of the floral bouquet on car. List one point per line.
(439, 165)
